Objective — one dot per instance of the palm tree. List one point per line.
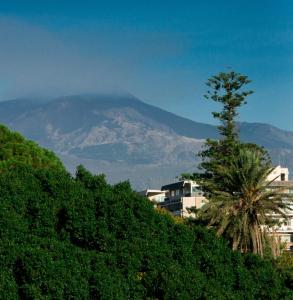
(243, 209)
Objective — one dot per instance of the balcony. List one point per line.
(284, 229)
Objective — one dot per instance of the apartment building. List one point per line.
(182, 196)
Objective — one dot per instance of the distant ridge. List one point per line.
(126, 138)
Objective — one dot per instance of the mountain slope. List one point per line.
(125, 137)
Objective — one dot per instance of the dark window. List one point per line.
(282, 176)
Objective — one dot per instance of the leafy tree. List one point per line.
(14, 149)
(226, 89)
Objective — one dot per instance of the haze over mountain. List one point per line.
(125, 138)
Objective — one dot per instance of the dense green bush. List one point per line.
(80, 238)
(285, 264)
(15, 149)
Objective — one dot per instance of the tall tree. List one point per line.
(227, 89)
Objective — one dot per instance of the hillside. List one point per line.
(15, 150)
(124, 137)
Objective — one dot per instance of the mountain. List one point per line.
(125, 138)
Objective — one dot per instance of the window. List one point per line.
(177, 192)
(177, 212)
(159, 198)
(196, 191)
(282, 176)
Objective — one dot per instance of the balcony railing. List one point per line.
(284, 229)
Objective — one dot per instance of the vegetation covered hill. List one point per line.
(15, 149)
(80, 238)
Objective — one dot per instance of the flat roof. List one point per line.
(151, 192)
(177, 185)
(173, 186)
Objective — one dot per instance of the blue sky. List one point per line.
(161, 51)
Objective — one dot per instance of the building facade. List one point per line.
(279, 174)
(155, 196)
(284, 231)
(182, 196)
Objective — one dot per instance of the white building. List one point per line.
(156, 196)
(284, 231)
(279, 174)
(182, 196)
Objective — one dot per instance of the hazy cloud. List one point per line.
(35, 61)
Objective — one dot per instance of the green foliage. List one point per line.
(226, 89)
(244, 207)
(80, 238)
(14, 149)
(285, 263)
(234, 175)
